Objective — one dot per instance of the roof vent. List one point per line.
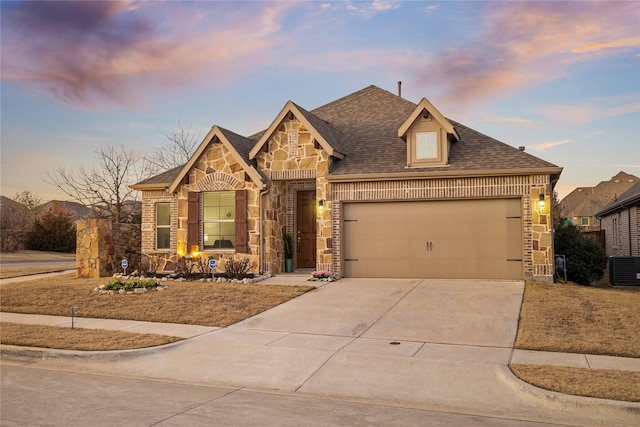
(399, 88)
(521, 148)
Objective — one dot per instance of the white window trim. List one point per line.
(163, 227)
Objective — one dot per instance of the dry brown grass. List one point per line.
(77, 338)
(195, 303)
(576, 319)
(599, 383)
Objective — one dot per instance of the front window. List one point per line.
(584, 221)
(218, 220)
(163, 226)
(426, 145)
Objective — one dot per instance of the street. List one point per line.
(33, 396)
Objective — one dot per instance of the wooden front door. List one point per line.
(306, 229)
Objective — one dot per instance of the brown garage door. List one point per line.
(438, 239)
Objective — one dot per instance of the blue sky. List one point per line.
(560, 78)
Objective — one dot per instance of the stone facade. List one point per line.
(216, 170)
(102, 245)
(294, 162)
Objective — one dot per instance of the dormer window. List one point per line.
(428, 135)
(426, 145)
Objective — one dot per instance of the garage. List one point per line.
(448, 239)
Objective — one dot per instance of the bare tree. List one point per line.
(176, 150)
(28, 199)
(105, 187)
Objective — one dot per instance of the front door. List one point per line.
(306, 229)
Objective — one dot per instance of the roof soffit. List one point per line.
(303, 116)
(424, 104)
(220, 134)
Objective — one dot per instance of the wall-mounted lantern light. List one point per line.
(541, 201)
(321, 205)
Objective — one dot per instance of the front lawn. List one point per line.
(570, 318)
(194, 303)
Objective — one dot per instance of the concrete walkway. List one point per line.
(426, 344)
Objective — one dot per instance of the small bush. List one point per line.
(586, 260)
(237, 268)
(148, 265)
(118, 284)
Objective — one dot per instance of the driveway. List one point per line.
(428, 344)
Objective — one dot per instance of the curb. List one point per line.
(602, 411)
(16, 352)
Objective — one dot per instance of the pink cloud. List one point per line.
(521, 44)
(545, 145)
(89, 53)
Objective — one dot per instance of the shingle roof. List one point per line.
(241, 143)
(366, 122)
(364, 127)
(586, 201)
(631, 197)
(165, 178)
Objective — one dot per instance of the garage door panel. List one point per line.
(439, 239)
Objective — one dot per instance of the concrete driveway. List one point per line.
(428, 344)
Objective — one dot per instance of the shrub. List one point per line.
(586, 260)
(53, 231)
(117, 284)
(237, 268)
(148, 265)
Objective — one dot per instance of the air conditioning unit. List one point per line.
(624, 270)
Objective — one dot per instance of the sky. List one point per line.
(561, 78)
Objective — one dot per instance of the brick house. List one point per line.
(369, 185)
(620, 220)
(581, 205)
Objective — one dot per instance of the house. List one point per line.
(369, 185)
(621, 221)
(580, 206)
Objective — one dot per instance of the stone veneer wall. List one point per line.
(102, 245)
(536, 222)
(216, 170)
(304, 167)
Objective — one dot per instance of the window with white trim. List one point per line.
(584, 221)
(218, 220)
(163, 226)
(426, 145)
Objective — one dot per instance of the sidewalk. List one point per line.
(171, 329)
(522, 357)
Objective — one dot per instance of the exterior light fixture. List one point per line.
(321, 205)
(541, 201)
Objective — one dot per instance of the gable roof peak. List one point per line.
(320, 130)
(423, 105)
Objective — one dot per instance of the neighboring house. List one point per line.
(621, 222)
(369, 185)
(580, 206)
